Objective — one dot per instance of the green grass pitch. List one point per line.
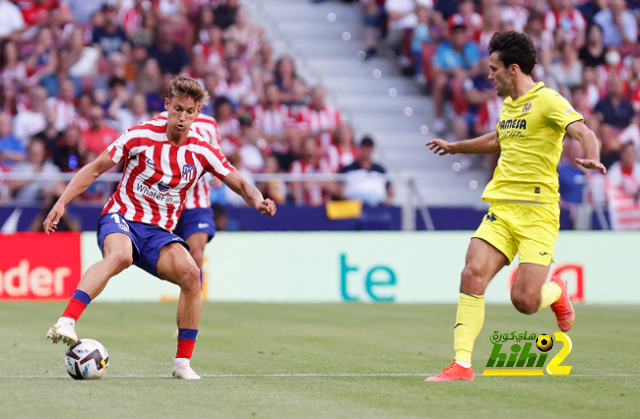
(312, 361)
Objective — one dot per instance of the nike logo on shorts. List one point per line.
(203, 225)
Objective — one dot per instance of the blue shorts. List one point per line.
(147, 239)
(196, 220)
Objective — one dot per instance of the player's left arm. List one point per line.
(249, 193)
(587, 138)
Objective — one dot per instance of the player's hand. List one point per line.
(439, 146)
(267, 207)
(50, 224)
(592, 164)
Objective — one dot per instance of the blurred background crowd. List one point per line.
(75, 74)
(587, 50)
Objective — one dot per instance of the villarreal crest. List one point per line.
(526, 108)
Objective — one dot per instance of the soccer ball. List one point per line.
(87, 359)
(544, 342)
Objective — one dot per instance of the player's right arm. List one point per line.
(80, 182)
(485, 144)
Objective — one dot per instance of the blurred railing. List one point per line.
(408, 196)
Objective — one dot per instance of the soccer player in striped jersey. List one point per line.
(524, 216)
(163, 162)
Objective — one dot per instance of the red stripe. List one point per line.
(129, 190)
(153, 179)
(175, 180)
(158, 129)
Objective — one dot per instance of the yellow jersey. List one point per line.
(531, 131)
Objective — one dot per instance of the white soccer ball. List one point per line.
(87, 359)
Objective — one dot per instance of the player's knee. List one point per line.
(472, 280)
(190, 279)
(523, 303)
(121, 259)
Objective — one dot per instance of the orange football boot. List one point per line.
(565, 314)
(455, 372)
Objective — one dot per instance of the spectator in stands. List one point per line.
(11, 149)
(228, 125)
(13, 70)
(623, 190)
(614, 109)
(542, 41)
(372, 18)
(83, 58)
(111, 37)
(319, 118)
(28, 122)
(310, 193)
(42, 59)
(469, 18)
(11, 20)
(275, 190)
(454, 61)
(213, 50)
(126, 117)
(52, 81)
(263, 71)
(271, 117)
(171, 57)
(401, 16)
(421, 35)
(592, 53)
(571, 175)
(285, 77)
(244, 33)
(145, 34)
(248, 146)
(51, 135)
(69, 155)
(36, 190)
(205, 20)
(492, 23)
(226, 13)
(619, 27)
(366, 181)
(64, 104)
(563, 15)
(99, 136)
(240, 90)
(342, 152)
(579, 101)
(609, 143)
(290, 151)
(567, 72)
(478, 90)
(514, 14)
(82, 10)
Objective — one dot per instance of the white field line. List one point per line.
(293, 375)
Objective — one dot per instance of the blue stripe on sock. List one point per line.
(81, 296)
(200, 278)
(189, 334)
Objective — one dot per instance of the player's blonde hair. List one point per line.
(187, 87)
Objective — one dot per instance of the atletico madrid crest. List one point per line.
(188, 172)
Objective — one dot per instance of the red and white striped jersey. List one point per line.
(339, 158)
(271, 121)
(313, 194)
(65, 111)
(572, 22)
(158, 175)
(517, 15)
(325, 119)
(207, 127)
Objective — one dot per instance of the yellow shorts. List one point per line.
(528, 229)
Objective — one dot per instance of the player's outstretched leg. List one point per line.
(483, 262)
(118, 255)
(177, 266)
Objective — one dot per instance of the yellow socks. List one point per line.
(469, 322)
(550, 294)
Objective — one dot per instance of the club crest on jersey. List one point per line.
(188, 172)
(526, 108)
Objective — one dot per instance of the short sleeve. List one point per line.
(560, 112)
(473, 54)
(215, 162)
(120, 148)
(438, 58)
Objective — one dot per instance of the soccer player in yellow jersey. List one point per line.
(524, 216)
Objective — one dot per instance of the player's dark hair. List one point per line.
(514, 48)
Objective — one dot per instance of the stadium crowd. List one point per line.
(587, 50)
(76, 74)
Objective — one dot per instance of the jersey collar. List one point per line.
(539, 85)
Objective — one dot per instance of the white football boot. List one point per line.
(182, 370)
(64, 330)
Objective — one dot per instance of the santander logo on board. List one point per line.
(35, 266)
